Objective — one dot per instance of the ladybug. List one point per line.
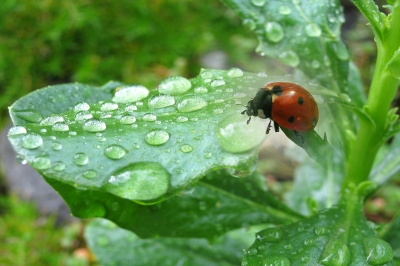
(289, 105)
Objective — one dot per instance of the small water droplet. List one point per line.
(31, 141)
(108, 106)
(200, 89)
(207, 155)
(127, 119)
(58, 166)
(320, 230)
(341, 51)
(41, 162)
(206, 75)
(239, 95)
(258, 2)
(29, 116)
(60, 127)
(161, 101)
(274, 31)
(83, 115)
(313, 30)
(149, 117)
(235, 72)
(115, 152)
(270, 235)
(218, 111)
(217, 83)
(186, 148)
(139, 181)
(156, 137)
(290, 58)
(181, 119)
(285, 10)
(130, 108)
(175, 85)
(16, 130)
(81, 158)
(190, 104)
(94, 125)
(89, 174)
(81, 107)
(51, 120)
(287, 246)
(276, 260)
(56, 146)
(130, 93)
(249, 23)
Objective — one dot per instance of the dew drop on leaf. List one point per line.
(130, 93)
(149, 117)
(161, 101)
(284, 10)
(81, 158)
(181, 119)
(41, 162)
(139, 181)
(83, 115)
(58, 166)
(249, 23)
(290, 58)
(276, 260)
(190, 104)
(186, 148)
(89, 174)
(200, 89)
(235, 72)
(340, 50)
(94, 125)
(60, 127)
(81, 107)
(56, 146)
(17, 130)
(31, 141)
(258, 2)
(51, 120)
(313, 30)
(156, 137)
(115, 152)
(206, 75)
(174, 85)
(270, 235)
(108, 106)
(217, 83)
(127, 120)
(274, 31)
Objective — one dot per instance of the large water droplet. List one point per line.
(377, 251)
(61, 127)
(31, 141)
(161, 101)
(81, 107)
(115, 152)
(190, 104)
(290, 58)
(29, 116)
(81, 158)
(174, 85)
(139, 181)
(83, 115)
(258, 2)
(127, 120)
(108, 106)
(274, 31)
(130, 93)
(149, 117)
(313, 30)
(156, 137)
(235, 72)
(41, 162)
(17, 130)
(335, 253)
(51, 120)
(233, 133)
(94, 125)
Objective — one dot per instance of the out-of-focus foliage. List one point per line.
(48, 42)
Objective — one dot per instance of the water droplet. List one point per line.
(130, 108)
(313, 30)
(284, 10)
(60, 127)
(341, 51)
(130, 93)
(274, 31)
(41, 162)
(108, 106)
(207, 155)
(200, 89)
(377, 250)
(290, 58)
(270, 235)
(156, 137)
(81, 158)
(250, 24)
(115, 152)
(335, 253)
(239, 95)
(258, 2)
(149, 117)
(89, 174)
(81, 107)
(206, 75)
(161, 101)
(186, 148)
(276, 260)
(174, 85)
(32, 141)
(139, 181)
(51, 120)
(56, 146)
(58, 166)
(16, 130)
(94, 125)
(309, 242)
(320, 230)
(315, 64)
(235, 72)
(127, 120)
(29, 116)
(233, 133)
(217, 83)
(181, 119)
(287, 246)
(83, 115)
(190, 104)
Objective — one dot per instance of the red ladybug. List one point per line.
(287, 104)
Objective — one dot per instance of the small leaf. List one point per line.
(115, 246)
(394, 65)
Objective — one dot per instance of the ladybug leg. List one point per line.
(248, 121)
(268, 127)
(276, 127)
(300, 137)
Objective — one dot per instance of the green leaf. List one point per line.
(392, 236)
(115, 246)
(217, 204)
(336, 236)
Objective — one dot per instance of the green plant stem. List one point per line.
(381, 94)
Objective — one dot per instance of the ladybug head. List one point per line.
(251, 110)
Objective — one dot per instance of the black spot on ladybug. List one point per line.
(300, 100)
(277, 90)
(314, 121)
(291, 119)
